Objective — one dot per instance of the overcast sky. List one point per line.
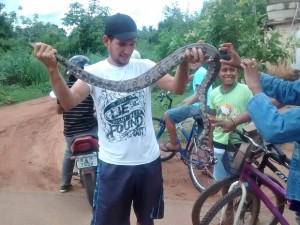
(144, 12)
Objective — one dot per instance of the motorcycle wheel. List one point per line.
(89, 183)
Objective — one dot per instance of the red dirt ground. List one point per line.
(32, 147)
(31, 152)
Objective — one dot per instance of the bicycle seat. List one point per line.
(199, 120)
(84, 143)
(197, 117)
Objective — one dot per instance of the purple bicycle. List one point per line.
(242, 204)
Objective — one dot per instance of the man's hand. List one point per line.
(235, 58)
(46, 54)
(194, 56)
(252, 75)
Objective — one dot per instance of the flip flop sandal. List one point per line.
(163, 147)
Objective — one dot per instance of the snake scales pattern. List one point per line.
(154, 74)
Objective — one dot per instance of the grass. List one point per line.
(158, 108)
(22, 78)
(13, 94)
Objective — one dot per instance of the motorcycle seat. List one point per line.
(84, 143)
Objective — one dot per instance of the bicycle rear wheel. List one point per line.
(200, 166)
(162, 136)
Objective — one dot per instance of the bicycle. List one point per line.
(245, 195)
(200, 162)
(209, 197)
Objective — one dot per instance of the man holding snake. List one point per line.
(129, 170)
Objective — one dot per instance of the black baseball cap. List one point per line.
(121, 27)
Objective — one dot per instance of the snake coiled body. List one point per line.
(157, 72)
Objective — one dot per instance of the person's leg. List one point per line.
(173, 145)
(220, 173)
(295, 206)
(172, 117)
(113, 194)
(67, 167)
(293, 182)
(219, 170)
(148, 203)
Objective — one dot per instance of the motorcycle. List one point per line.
(85, 153)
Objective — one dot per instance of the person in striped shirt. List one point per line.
(79, 121)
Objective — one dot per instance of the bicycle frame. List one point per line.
(265, 163)
(247, 181)
(189, 152)
(187, 136)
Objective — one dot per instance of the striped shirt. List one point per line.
(80, 118)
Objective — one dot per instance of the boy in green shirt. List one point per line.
(226, 102)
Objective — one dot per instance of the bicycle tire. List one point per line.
(249, 215)
(212, 194)
(208, 198)
(200, 167)
(89, 182)
(162, 136)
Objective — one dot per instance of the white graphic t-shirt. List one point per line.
(126, 134)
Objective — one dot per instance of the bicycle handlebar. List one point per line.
(246, 137)
(163, 95)
(261, 148)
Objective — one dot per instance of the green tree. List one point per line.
(172, 30)
(88, 26)
(6, 28)
(241, 22)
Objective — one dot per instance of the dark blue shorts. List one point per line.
(119, 187)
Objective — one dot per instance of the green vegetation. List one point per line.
(241, 22)
(20, 94)
(158, 108)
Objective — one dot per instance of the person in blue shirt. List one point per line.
(189, 109)
(277, 127)
(274, 126)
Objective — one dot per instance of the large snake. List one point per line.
(154, 74)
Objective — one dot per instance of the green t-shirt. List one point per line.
(228, 105)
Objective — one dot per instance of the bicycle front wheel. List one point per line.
(209, 197)
(162, 136)
(218, 215)
(212, 194)
(200, 166)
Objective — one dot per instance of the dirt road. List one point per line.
(31, 151)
